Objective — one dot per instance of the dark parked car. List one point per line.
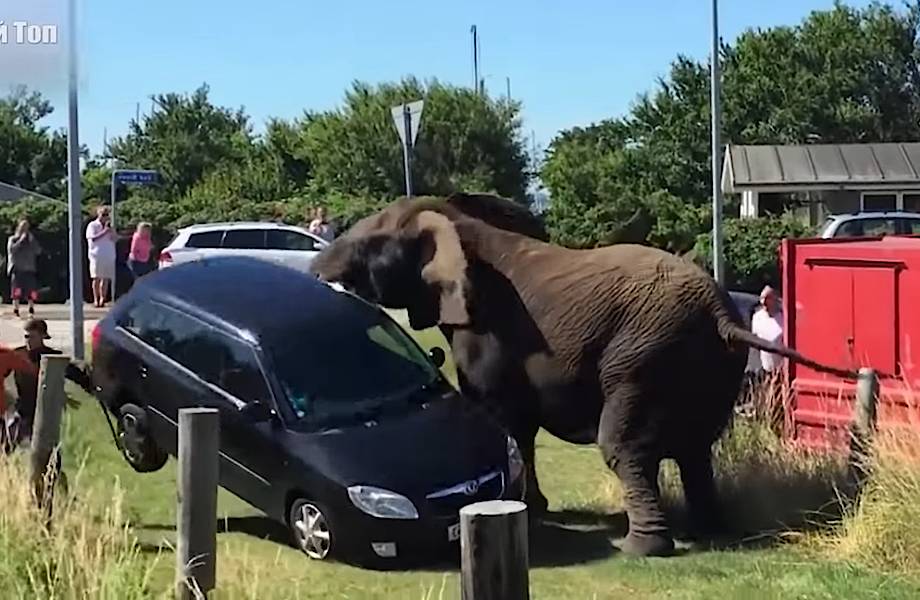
(333, 420)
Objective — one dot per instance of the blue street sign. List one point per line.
(138, 177)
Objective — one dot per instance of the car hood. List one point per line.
(413, 454)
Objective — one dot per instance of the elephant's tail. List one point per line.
(732, 333)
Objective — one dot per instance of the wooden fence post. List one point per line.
(196, 528)
(46, 430)
(864, 422)
(493, 551)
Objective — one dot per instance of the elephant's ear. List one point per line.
(446, 271)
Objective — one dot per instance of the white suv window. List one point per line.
(205, 239)
(284, 239)
(244, 239)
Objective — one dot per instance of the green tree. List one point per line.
(185, 138)
(31, 156)
(466, 141)
(842, 75)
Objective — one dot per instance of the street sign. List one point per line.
(141, 177)
(407, 118)
(415, 118)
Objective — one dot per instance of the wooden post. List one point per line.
(196, 528)
(493, 551)
(46, 429)
(864, 421)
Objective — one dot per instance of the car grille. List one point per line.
(448, 501)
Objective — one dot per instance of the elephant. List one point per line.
(624, 346)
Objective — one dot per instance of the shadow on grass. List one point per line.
(559, 539)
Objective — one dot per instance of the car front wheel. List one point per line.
(311, 529)
(135, 442)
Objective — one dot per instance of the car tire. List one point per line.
(311, 529)
(135, 442)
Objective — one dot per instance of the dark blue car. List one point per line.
(333, 420)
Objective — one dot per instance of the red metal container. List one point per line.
(851, 303)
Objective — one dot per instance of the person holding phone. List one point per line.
(101, 238)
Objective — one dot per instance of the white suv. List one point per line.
(286, 244)
(871, 224)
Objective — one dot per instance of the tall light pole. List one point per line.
(475, 58)
(718, 268)
(75, 213)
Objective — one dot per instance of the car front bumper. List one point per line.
(425, 538)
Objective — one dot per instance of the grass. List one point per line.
(115, 540)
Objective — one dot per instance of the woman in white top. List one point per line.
(100, 238)
(767, 324)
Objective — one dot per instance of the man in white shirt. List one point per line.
(767, 324)
(100, 238)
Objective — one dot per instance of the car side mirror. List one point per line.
(437, 356)
(257, 411)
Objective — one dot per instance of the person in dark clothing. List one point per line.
(36, 332)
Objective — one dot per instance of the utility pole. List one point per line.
(475, 58)
(508, 88)
(718, 267)
(137, 113)
(74, 212)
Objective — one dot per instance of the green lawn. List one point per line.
(574, 560)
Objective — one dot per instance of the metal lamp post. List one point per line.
(75, 213)
(718, 267)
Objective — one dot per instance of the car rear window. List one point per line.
(245, 239)
(205, 239)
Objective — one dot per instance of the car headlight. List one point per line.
(515, 460)
(382, 504)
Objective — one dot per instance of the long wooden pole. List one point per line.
(46, 431)
(493, 551)
(196, 529)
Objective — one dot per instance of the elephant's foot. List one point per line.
(648, 544)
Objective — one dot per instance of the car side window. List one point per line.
(245, 239)
(205, 239)
(229, 364)
(909, 226)
(852, 228)
(282, 239)
(876, 227)
(163, 328)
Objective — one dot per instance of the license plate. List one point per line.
(453, 532)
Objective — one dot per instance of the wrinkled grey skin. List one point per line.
(628, 347)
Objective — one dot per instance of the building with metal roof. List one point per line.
(829, 178)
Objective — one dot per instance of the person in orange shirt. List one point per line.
(11, 360)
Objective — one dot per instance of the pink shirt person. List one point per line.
(141, 244)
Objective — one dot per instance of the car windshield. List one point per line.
(355, 369)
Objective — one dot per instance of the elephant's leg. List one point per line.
(622, 437)
(536, 501)
(705, 512)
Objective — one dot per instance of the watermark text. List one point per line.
(25, 33)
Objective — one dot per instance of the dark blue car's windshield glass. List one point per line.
(350, 368)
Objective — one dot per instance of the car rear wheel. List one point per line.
(135, 442)
(312, 529)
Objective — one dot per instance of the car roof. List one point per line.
(198, 227)
(898, 214)
(257, 298)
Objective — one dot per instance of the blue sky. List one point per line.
(570, 63)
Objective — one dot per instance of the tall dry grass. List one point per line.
(774, 489)
(880, 529)
(89, 551)
(768, 486)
